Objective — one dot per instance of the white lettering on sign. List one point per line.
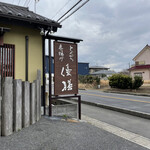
(68, 71)
(67, 86)
(71, 53)
(70, 85)
(62, 71)
(61, 53)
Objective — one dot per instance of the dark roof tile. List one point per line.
(23, 14)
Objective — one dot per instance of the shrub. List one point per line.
(125, 82)
(137, 82)
(120, 81)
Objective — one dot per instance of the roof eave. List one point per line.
(40, 23)
(140, 52)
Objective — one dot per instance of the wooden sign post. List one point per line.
(65, 70)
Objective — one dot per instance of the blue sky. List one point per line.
(113, 31)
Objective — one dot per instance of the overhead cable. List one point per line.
(69, 10)
(74, 11)
(25, 2)
(28, 3)
(61, 8)
(19, 2)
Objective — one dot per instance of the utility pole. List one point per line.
(36, 1)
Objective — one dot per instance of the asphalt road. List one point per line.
(130, 102)
(124, 121)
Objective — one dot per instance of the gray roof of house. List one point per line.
(98, 67)
(19, 13)
(107, 72)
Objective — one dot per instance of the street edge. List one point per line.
(122, 110)
(128, 93)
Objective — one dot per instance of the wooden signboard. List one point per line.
(65, 68)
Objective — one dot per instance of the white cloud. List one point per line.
(113, 32)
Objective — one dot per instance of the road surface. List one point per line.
(130, 102)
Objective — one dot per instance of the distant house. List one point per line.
(100, 71)
(20, 41)
(83, 67)
(93, 69)
(142, 64)
(103, 73)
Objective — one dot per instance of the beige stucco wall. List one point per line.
(145, 73)
(145, 56)
(16, 36)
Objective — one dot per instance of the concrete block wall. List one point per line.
(17, 105)
(25, 104)
(39, 89)
(20, 104)
(32, 103)
(7, 106)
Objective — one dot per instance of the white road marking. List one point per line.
(132, 137)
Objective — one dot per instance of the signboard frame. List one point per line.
(51, 97)
(65, 69)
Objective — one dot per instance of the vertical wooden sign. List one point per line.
(65, 68)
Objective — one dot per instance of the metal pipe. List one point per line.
(5, 61)
(26, 49)
(69, 10)
(14, 61)
(79, 107)
(43, 50)
(50, 88)
(74, 11)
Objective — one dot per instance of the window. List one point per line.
(7, 57)
(138, 74)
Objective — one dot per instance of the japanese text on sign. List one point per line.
(65, 60)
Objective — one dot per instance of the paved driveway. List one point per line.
(61, 135)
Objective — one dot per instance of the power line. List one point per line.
(69, 10)
(25, 2)
(73, 12)
(19, 2)
(61, 8)
(28, 3)
(36, 1)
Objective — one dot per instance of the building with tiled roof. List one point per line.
(93, 69)
(23, 16)
(142, 64)
(21, 33)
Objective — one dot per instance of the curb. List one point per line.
(122, 110)
(137, 94)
